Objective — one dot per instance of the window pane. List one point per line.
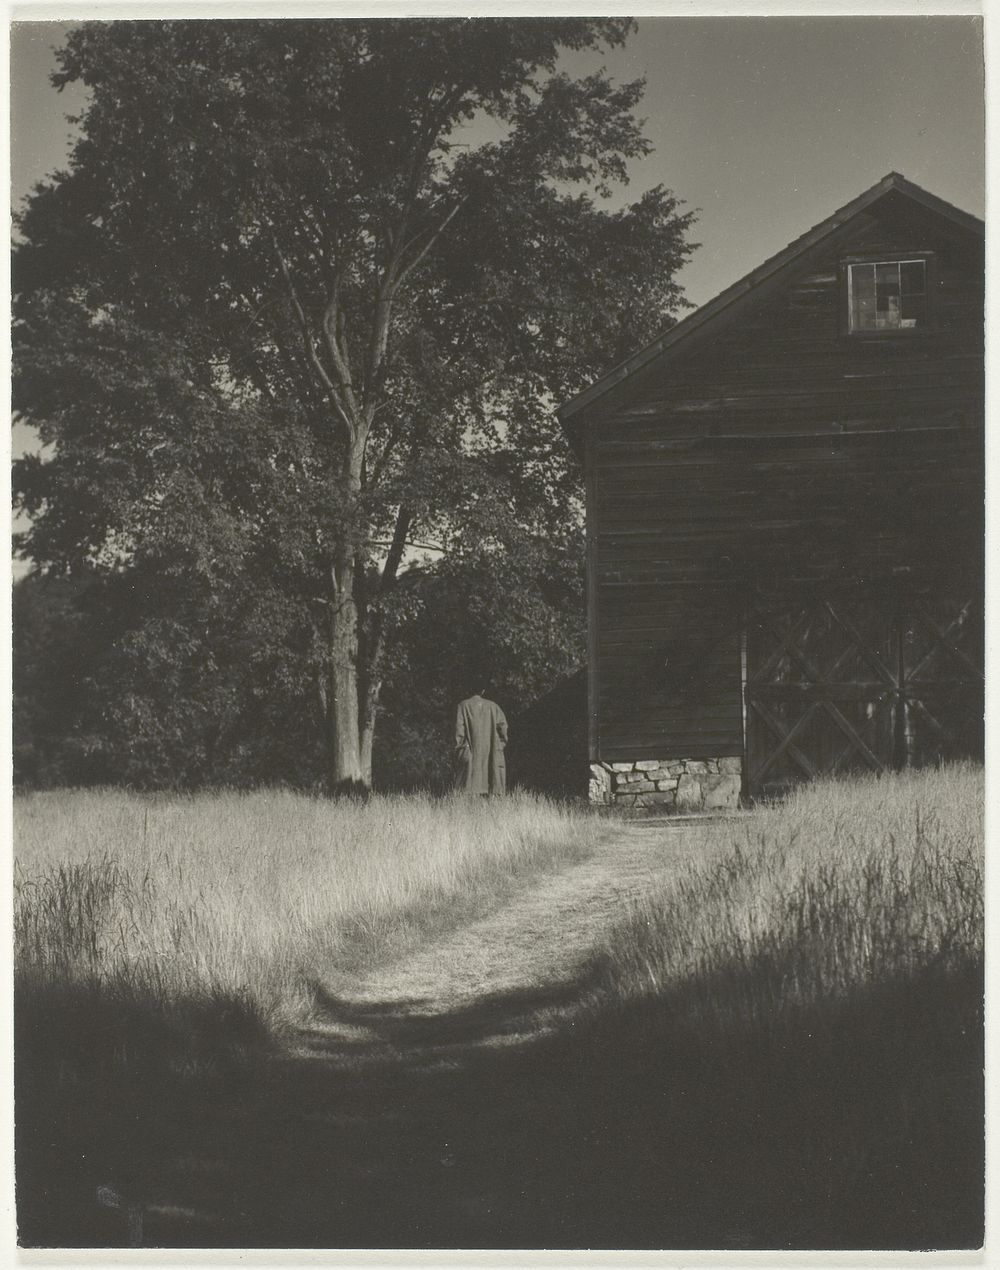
(862, 297)
(887, 319)
(911, 277)
(912, 309)
(887, 275)
(887, 297)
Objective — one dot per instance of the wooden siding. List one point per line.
(780, 452)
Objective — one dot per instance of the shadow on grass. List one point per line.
(519, 1122)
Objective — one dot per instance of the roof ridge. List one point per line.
(711, 308)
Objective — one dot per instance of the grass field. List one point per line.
(840, 887)
(163, 943)
(782, 1047)
(245, 896)
(796, 1027)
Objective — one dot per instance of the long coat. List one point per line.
(480, 737)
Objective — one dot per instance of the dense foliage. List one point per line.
(304, 301)
(122, 680)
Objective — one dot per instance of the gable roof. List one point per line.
(725, 301)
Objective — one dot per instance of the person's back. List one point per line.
(480, 738)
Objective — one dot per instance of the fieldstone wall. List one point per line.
(669, 785)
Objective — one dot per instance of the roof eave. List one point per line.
(715, 308)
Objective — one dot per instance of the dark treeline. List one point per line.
(121, 678)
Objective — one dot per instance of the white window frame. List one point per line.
(875, 263)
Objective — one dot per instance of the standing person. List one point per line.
(480, 737)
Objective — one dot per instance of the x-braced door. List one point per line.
(838, 683)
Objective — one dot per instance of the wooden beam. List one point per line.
(861, 644)
(854, 737)
(944, 640)
(785, 736)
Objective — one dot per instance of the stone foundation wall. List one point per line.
(669, 785)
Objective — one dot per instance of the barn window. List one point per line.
(887, 295)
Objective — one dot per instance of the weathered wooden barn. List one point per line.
(785, 518)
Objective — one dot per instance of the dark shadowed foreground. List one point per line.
(627, 1053)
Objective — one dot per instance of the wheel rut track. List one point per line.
(513, 973)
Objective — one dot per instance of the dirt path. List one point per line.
(422, 1104)
(515, 972)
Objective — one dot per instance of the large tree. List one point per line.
(303, 302)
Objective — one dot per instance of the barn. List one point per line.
(785, 519)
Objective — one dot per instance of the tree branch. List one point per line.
(420, 546)
(391, 441)
(332, 333)
(310, 349)
(407, 269)
(404, 518)
(394, 274)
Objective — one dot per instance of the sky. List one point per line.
(763, 125)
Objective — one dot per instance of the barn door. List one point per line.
(942, 656)
(835, 684)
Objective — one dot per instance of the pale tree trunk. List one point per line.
(370, 683)
(352, 689)
(347, 771)
(374, 647)
(367, 742)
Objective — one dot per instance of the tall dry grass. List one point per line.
(841, 886)
(255, 895)
(164, 942)
(783, 1046)
(788, 1037)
